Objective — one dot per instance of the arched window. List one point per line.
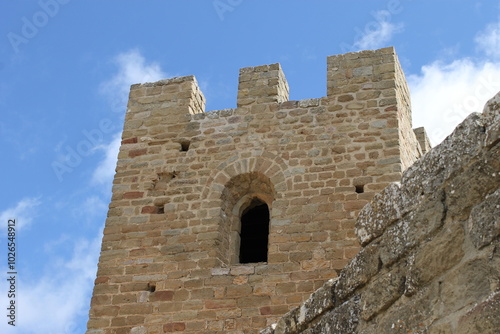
(254, 235)
(245, 215)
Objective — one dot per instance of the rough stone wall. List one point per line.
(430, 260)
(169, 259)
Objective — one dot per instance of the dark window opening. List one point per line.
(360, 189)
(254, 234)
(185, 145)
(151, 287)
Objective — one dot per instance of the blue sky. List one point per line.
(65, 70)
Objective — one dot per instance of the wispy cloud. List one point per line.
(132, 69)
(24, 212)
(58, 301)
(444, 93)
(488, 40)
(378, 32)
(105, 171)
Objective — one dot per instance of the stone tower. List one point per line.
(222, 221)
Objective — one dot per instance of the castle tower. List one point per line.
(222, 221)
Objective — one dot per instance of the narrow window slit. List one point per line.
(360, 189)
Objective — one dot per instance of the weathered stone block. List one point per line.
(406, 315)
(441, 253)
(469, 283)
(359, 271)
(480, 177)
(483, 318)
(380, 213)
(483, 224)
(441, 163)
(382, 292)
(343, 319)
(318, 303)
(409, 231)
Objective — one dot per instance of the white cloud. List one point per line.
(132, 69)
(377, 33)
(23, 212)
(444, 93)
(59, 300)
(105, 171)
(488, 41)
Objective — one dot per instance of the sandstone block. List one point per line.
(483, 224)
(380, 213)
(441, 253)
(411, 230)
(469, 283)
(483, 318)
(343, 319)
(481, 176)
(383, 291)
(441, 163)
(359, 271)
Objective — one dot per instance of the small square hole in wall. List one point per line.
(151, 287)
(360, 188)
(185, 145)
(160, 209)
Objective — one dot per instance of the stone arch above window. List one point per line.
(246, 195)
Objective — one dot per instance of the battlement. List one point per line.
(369, 80)
(177, 252)
(361, 75)
(262, 84)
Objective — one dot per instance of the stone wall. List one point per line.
(169, 259)
(430, 260)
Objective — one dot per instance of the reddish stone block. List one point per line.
(149, 209)
(174, 327)
(161, 296)
(101, 280)
(133, 195)
(129, 141)
(138, 152)
(266, 310)
(220, 303)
